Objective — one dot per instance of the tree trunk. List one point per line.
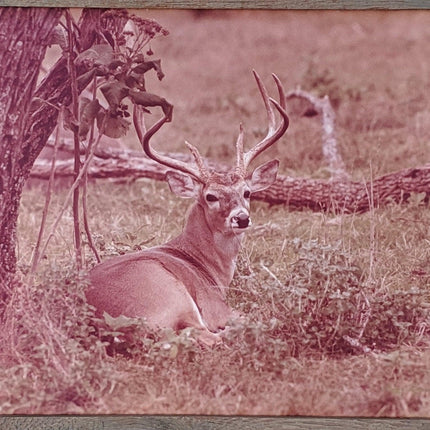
(24, 35)
(28, 115)
(55, 90)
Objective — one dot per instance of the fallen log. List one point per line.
(346, 196)
(339, 194)
(336, 195)
(323, 108)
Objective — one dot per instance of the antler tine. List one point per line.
(240, 167)
(204, 173)
(144, 136)
(273, 133)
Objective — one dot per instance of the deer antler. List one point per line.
(200, 174)
(244, 159)
(273, 133)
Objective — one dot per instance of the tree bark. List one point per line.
(346, 196)
(29, 115)
(54, 91)
(24, 35)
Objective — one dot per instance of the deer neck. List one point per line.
(214, 250)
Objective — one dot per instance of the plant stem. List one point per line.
(36, 253)
(71, 191)
(85, 182)
(77, 161)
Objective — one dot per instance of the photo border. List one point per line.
(226, 4)
(186, 422)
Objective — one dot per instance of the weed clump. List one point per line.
(327, 308)
(51, 359)
(134, 339)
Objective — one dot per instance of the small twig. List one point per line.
(36, 254)
(367, 315)
(271, 274)
(372, 229)
(330, 148)
(356, 344)
(86, 224)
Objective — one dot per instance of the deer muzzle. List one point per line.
(241, 220)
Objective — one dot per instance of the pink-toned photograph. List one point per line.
(214, 212)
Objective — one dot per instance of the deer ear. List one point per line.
(264, 176)
(182, 185)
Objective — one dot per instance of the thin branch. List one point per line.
(85, 216)
(330, 148)
(85, 188)
(77, 160)
(36, 254)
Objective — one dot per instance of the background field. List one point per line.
(336, 305)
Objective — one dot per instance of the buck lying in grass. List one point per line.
(183, 282)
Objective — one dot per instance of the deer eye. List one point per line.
(211, 198)
(247, 194)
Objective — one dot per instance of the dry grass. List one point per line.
(336, 307)
(285, 359)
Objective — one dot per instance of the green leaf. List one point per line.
(112, 126)
(135, 80)
(88, 113)
(119, 322)
(139, 58)
(147, 99)
(97, 55)
(114, 92)
(148, 65)
(115, 63)
(85, 79)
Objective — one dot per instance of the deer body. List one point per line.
(184, 282)
(170, 285)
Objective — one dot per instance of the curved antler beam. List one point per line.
(199, 174)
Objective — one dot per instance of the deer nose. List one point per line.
(242, 220)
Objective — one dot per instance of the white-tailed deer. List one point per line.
(183, 282)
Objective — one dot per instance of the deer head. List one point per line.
(225, 196)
